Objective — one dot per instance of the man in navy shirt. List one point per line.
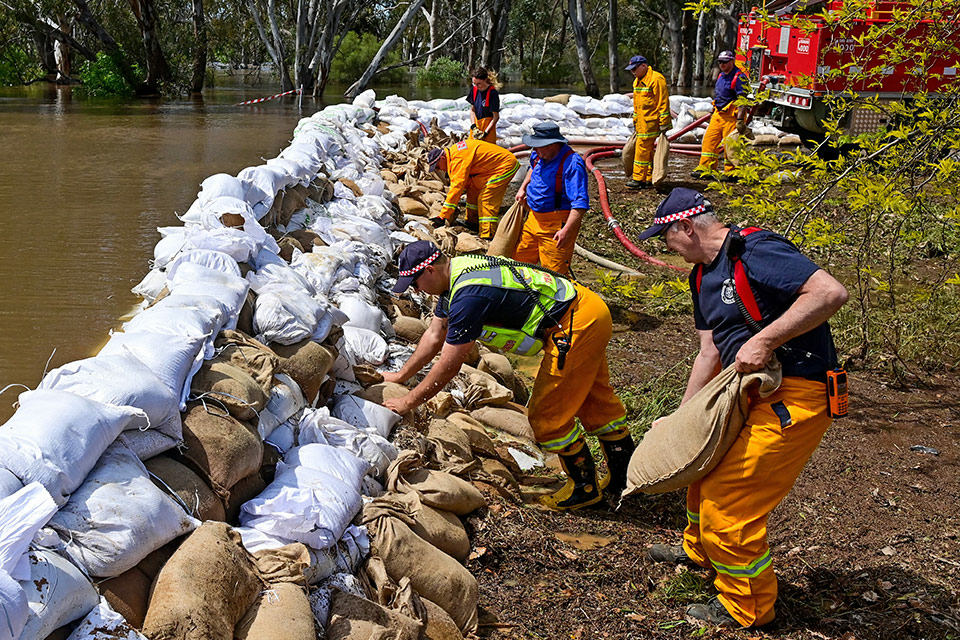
(555, 189)
(788, 299)
(727, 116)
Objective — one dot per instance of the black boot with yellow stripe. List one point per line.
(582, 489)
(617, 448)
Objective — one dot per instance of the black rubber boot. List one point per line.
(670, 554)
(633, 184)
(617, 453)
(713, 612)
(581, 489)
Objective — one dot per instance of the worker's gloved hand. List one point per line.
(476, 132)
(742, 127)
(665, 127)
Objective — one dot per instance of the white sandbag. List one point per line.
(14, 610)
(286, 400)
(57, 593)
(196, 279)
(321, 597)
(118, 516)
(168, 247)
(174, 359)
(182, 315)
(343, 557)
(9, 484)
(220, 184)
(55, 438)
(365, 415)
(121, 380)
(21, 516)
(285, 315)
(103, 623)
(317, 425)
(149, 443)
(313, 498)
(216, 260)
(235, 243)
(261, 185)
(364, 346)
(151, 286)
(361, 314)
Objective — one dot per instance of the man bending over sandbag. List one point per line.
(523, 309)
(482, 169)
(754, 295)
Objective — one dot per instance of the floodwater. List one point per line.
(84, 183)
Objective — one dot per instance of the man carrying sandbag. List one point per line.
(523, 309)
(754, 295)
(555, 189)
(651, 117)
(481, 169)
(727, 117)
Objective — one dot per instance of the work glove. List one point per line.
(477, 133)
(742, 127)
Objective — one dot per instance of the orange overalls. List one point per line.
(722, 123)
(484, 171)
(582, 388)
(536, 244)
(483, 122)
(651, 110)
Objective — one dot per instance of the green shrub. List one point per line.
(102, 77)
(16, 66)
(443, 71)
(354, 57)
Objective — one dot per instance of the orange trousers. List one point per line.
(722, 124)
(482, 124)
(484, 196)
(582, 388)
(537, 246)
(727, 510)
(647, 133)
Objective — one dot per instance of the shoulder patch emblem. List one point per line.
(462, 145)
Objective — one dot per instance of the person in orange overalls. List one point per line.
(484, 99)
(481, 169)
(727, 116)
(651, 117)
(555, 189)
(756, 274)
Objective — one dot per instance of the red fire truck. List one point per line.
(795, 64)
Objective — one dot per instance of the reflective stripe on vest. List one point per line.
(476, 270)
(558, 186)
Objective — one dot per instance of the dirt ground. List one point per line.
(865, 546)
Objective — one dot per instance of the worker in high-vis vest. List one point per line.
(754, 295)
(651, 117)
(481, 169)
(555, 189)
(522, 309)
(727, 117)
(484, 99)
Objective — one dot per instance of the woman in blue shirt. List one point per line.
(484, 102)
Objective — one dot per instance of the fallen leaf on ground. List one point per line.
(583, 541)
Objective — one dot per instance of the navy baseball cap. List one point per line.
(433, 158)
(544, 133)
(414, 257)
(681, 203)
(726, 56)
(635, 62)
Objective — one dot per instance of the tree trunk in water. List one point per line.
(498, 15)
(200, 54)
(388, 44)
(158, 71)
(327, 45)
(274, 46)
(433, 19)
(285, 81)
(701, 53)
(612, 38)
(674, 27)
(472, 50)
(62, 50)
(578, 24)
(46, 49)
(689, 45)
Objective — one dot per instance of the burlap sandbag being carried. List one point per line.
(204, 589)
(507, 237)
(282, 613)
(436, 488)
(627, 156)
(686, 445)
(432, 573)
(661, 158)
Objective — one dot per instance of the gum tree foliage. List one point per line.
(884, 216)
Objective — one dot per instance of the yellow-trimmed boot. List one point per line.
(581, 489)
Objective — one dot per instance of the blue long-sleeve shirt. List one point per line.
(542, 188)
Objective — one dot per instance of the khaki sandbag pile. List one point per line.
(205, 588)
(307, 362)
(222, 449)
(686, 445)
(173, 477)
(282, 612)
(436, 488)
(230, 386)
(506, 420)
(354, 618)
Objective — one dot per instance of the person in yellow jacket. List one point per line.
(754, 295)
(727, 116)
(481, 169)
(523, 309)
(651, 116)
